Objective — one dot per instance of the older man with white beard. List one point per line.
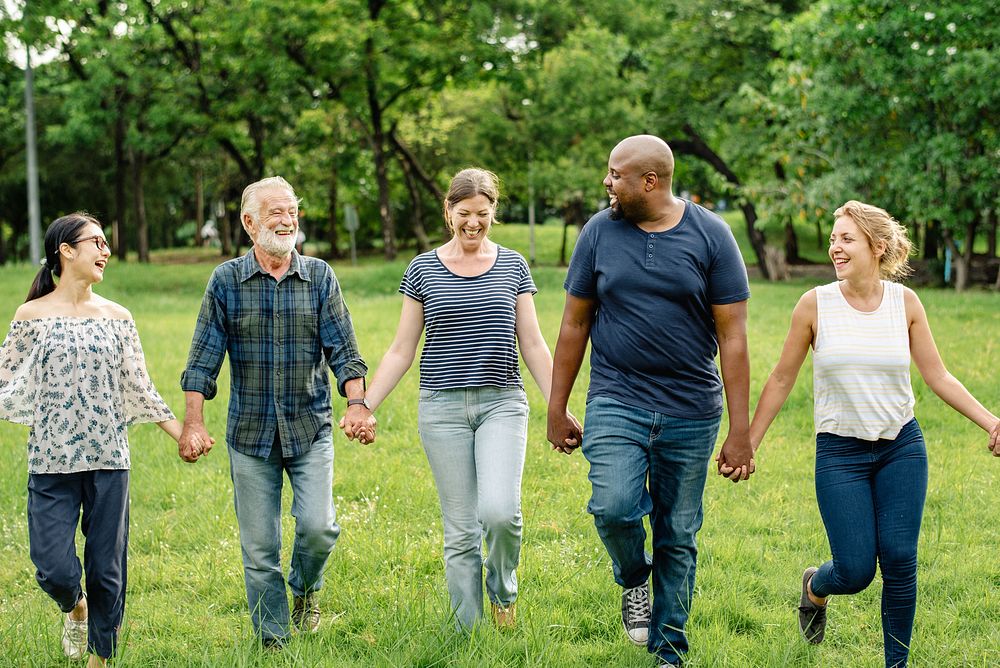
(281, 318)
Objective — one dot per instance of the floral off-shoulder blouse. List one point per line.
(78, 383)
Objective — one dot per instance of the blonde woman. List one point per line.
(871, 462)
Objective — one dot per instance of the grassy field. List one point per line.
(385, 601)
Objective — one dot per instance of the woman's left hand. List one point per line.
(994, 445)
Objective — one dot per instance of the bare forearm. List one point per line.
(772, 398)
(539, 362)
(173, 428)
(953, 393)
(735, 362)
(391, 370)
(568, 358)
(194, 403)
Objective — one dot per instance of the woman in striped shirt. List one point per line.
(472, 301)
(871, 463)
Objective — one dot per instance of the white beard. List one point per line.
(272, 244)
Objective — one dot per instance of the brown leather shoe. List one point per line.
(305, 613)
(504, 618)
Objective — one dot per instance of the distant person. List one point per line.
(72, 369)
(657, 285)
(300, 241)
(871, 462)
(472, 299)
(282, 320)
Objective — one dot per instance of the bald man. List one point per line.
(657, 285)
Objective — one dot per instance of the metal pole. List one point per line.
(34, 213)
(531, 212)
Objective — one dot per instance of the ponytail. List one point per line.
(64, 230)
(43, 283)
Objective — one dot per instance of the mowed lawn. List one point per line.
(384, 599)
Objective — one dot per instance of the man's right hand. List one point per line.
(194, 442)
(564, 432)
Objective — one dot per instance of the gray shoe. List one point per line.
(812, 617)
(305, 613)
(636, 614)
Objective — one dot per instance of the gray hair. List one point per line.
(250, 204)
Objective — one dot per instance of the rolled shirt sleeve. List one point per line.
(337, 337)
(208, 345)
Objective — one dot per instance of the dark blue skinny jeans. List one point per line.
(871, 496)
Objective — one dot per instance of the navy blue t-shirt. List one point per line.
(653, 341)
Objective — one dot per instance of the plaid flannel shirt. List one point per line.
(281, 335)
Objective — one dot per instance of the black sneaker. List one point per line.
(812, 617)
(636, 614)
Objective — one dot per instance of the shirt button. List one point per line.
(650, 255)
(650, 246)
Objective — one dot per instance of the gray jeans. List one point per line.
(475, 440)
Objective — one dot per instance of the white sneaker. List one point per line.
(74, 638)
(636, 614)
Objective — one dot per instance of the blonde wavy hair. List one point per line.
(881, 228)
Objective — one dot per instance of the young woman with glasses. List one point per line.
(72, 369)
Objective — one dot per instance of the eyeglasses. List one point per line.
(99, 241)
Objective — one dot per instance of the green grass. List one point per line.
(385, 601)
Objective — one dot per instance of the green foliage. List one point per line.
(786, 108)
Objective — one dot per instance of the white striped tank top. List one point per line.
(861, 365)
(470, 322)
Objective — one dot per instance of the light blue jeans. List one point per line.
(257, 486)
(648, 463)
(475, 440)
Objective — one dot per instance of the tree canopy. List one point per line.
(154, 114)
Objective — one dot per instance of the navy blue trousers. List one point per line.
(871, 496)
(54, 504)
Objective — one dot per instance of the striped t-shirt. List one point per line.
(469, 321)
(861, 365)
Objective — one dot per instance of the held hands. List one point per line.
(194, 442)
(564, 432)
(359, 422)
(735, 459)
(994, 444)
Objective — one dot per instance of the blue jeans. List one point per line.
(257, 486)
(871, 496)
(475, 440)
(626, 446)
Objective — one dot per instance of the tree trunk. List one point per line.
(199, 206)
(961, 259)
(225, 228)
(138, 160)
(932, 239)
(572, 215)
(991, 232)
(695, 146)
(333, 204)
(406, 155)
(423, 243)
(121, 169)
(791, 241)
(378, 146)
(791, 244)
